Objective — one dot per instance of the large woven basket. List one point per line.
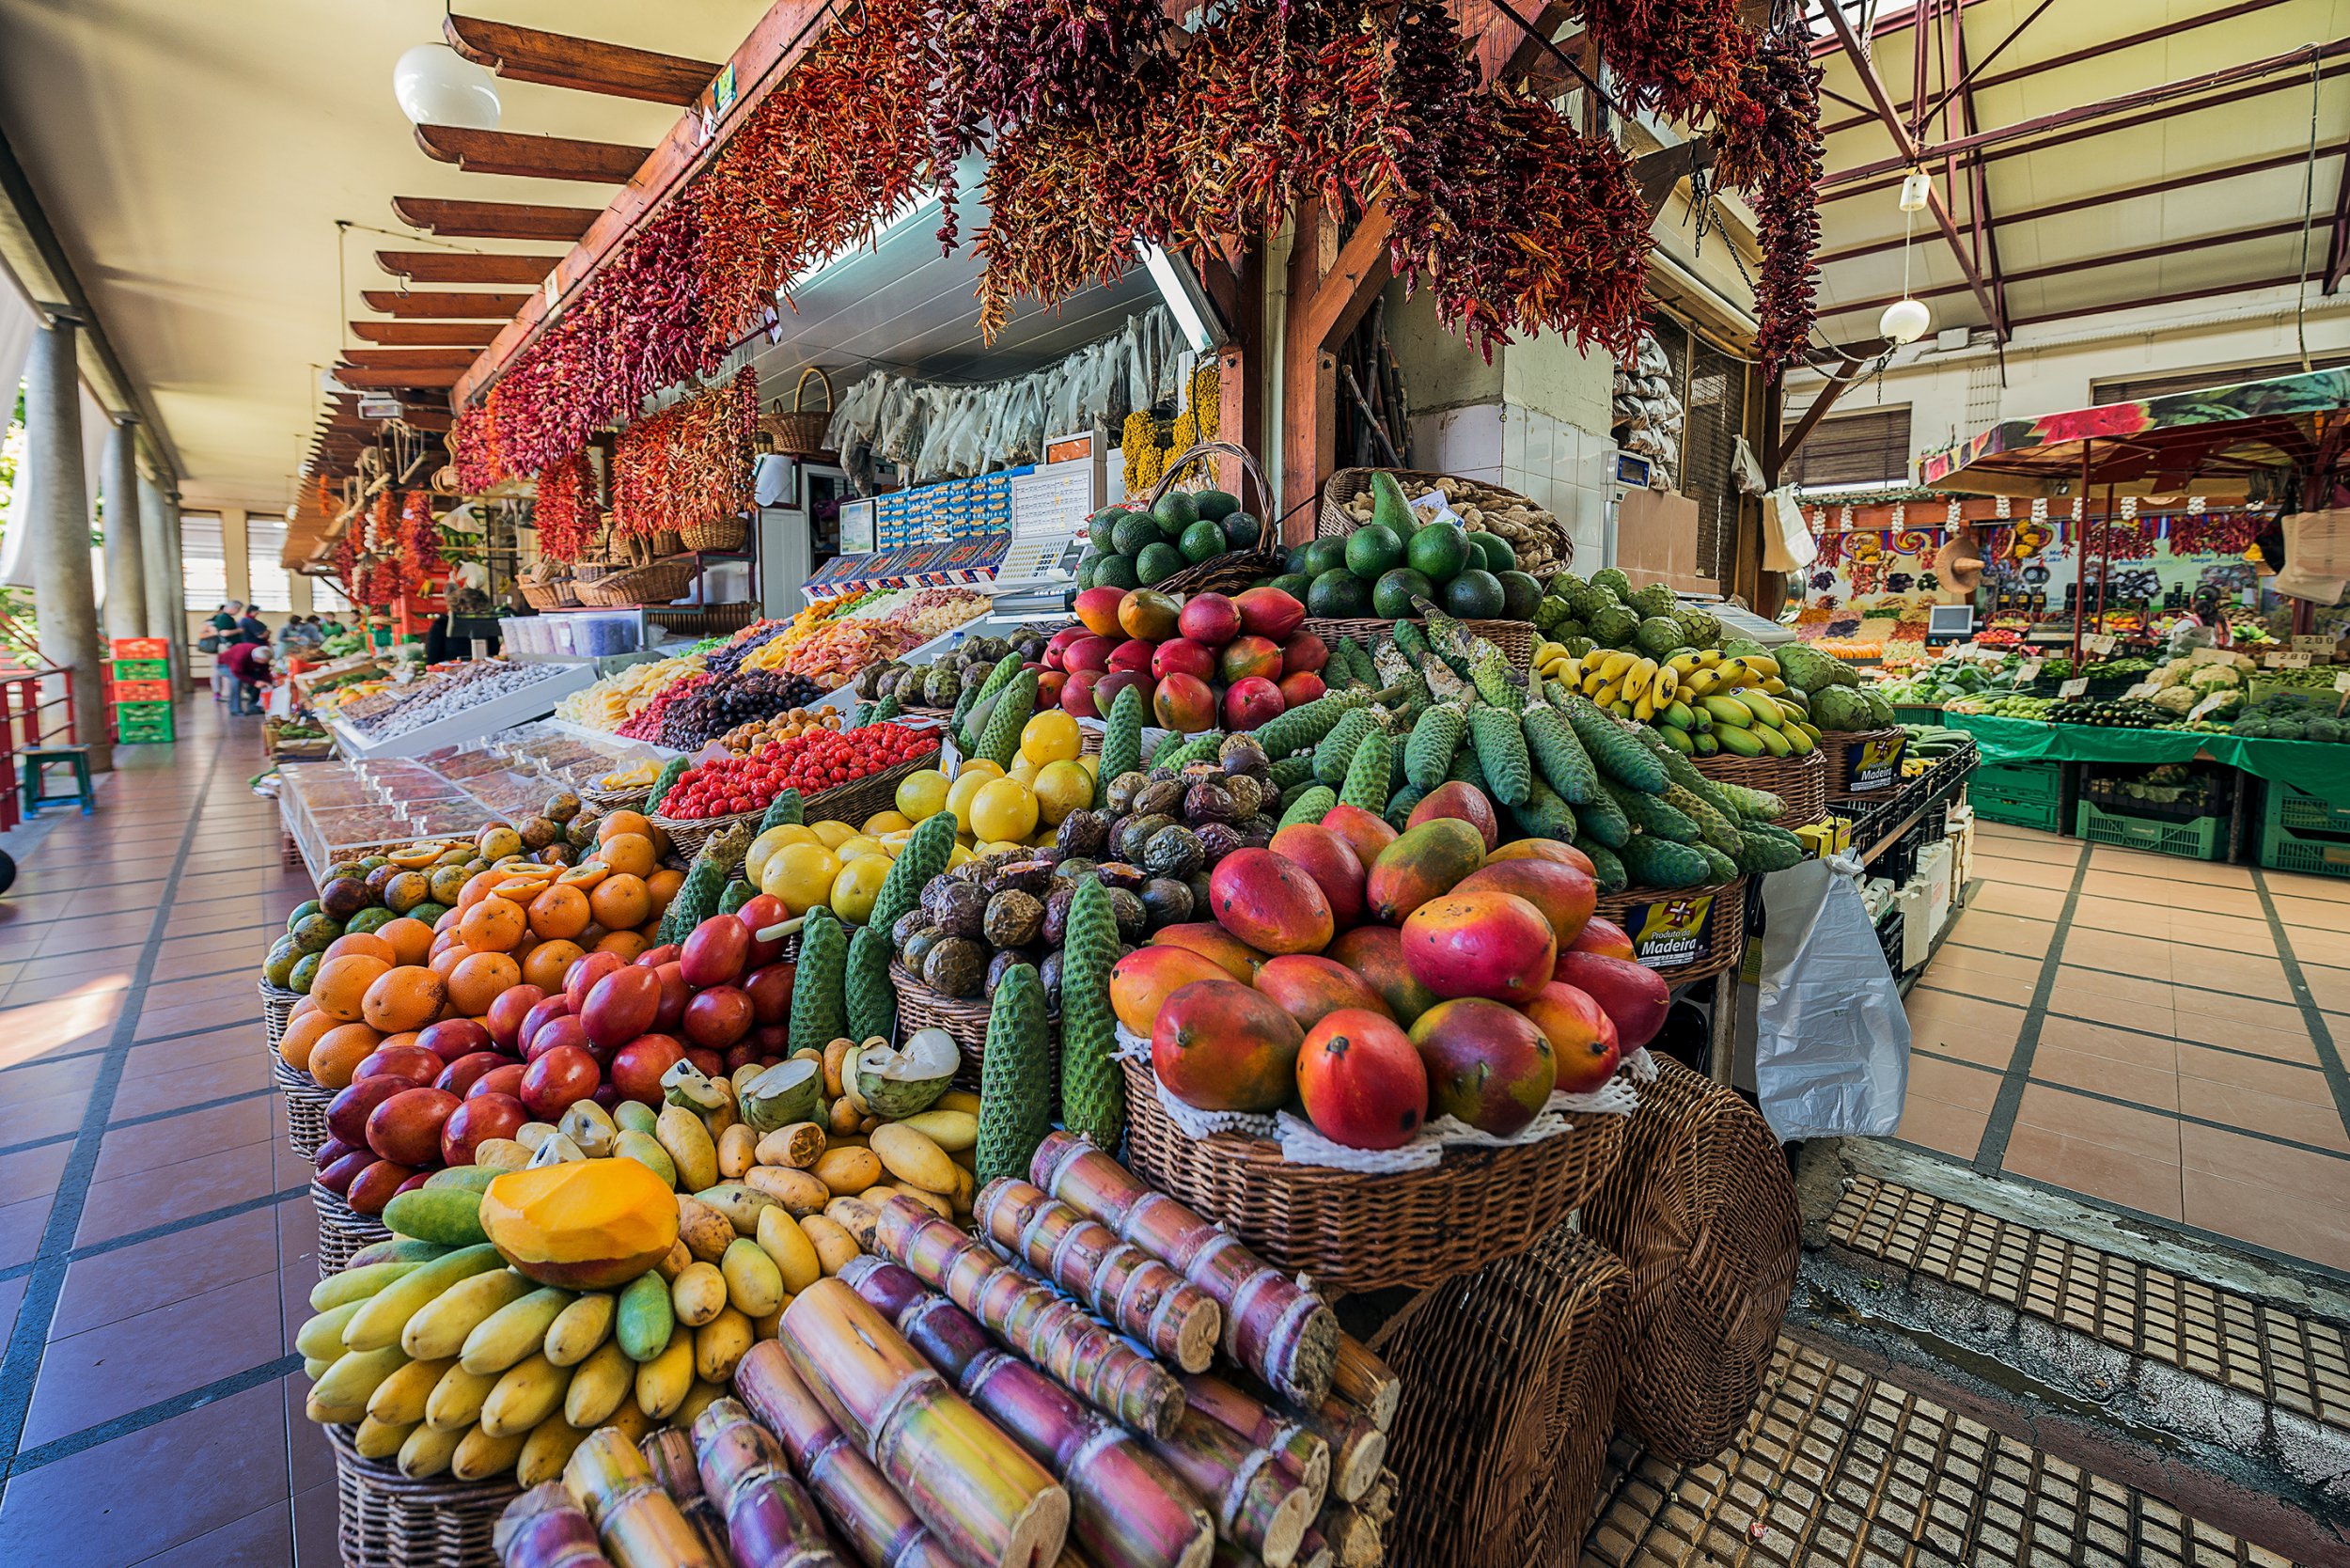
(604, 802)
(1335, 521)
(1702, 1212)
(1226, 574)
(562, 594)
(278, 1004)
(1725, 939)
(963, 1018)
(306, 1107)
(799, 432)
(1509, 1382)
(1516, 638)
(1356, 1231)
(1843, 747)
(386, 1520)
(656, 584)
(342, 1231)
(717, 535)
(1800, 782)
(852, 802)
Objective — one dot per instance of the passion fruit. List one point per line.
(278, 968)
(370, 919)
(581, 832)
(314, 934)
(405, 891)
(306, 969)
(496, 843)
(302, 912)
(344, 897)
(538, 832)
(561, 808)
(447, 884)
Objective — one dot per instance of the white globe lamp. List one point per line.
(436, 86)
(1904, 321)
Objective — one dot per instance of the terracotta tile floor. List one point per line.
(156, 1242)
(2123, 1026)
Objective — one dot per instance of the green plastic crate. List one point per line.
(2299, 811)
(2034, 781)
(1996, 805)
(128, 713)
(2315, 854)
(142, 669)
(2197, 839)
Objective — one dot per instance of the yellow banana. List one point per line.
(1593, 681)
(1645, 708)
(1682, 664)
(1729, 711)
(1738, 742)
(1637, 678)
(1667, 682)
(1764, 710)
(1606, 695)
(1709, 657)
(1773, 742)
(1798, 742)
(1618, 663)
(1774, 685)
(1762, 663)
(1699, 682)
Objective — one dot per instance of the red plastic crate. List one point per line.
(142, 647)
(142, 691)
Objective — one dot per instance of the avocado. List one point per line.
(1215, 505)
(1240, 530)
(1176, 511)
(1391, 596)
(1132, 532)
(1102, 528)
(1439, 552)
(1520, 593)
(1087, 565)
(1117, 571)
(1294, 558)
(1373, 550)
(1389, 505)
(1475, 594)
(1158, 563)
(1295, 583)
(1324, 554)
(1338, 595)
(1499, 558)
(1202, 540)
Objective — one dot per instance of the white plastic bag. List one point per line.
(1831, 1043)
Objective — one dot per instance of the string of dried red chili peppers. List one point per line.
(420, 540)
(1683, 59)
(689, 463)
(565, 512)
(1771, 148)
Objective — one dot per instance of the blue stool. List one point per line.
(39, 760)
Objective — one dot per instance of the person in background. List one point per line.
(248, 663)
(223, 633)
(253, 627)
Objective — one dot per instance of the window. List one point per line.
(1853, 448)
(1712, 386)
(264, 542)
(203, 566)
(2137, 389)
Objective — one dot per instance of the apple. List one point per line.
(557, 1080)
(654, 957)
(1076, 695)
(1251, 702)
(675, 993)
(413, 1063)
(1209, 618)
(407, 1127)
(1058, 645)
(506, 1078)
(716, 954)
(459, 1076)
(1105, 690)
(1097, 610)
(347, 1113)
(568, 1031)
(709, 1063)
(1182, 656)
(539, 1016)
(1301, 688)
(336, 1175)
(770, 991)
(1185, 702)
(1305, 654)
(1048, 689)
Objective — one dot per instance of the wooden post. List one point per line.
(1330, 286)
(1240, 370)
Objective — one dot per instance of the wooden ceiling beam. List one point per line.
(445, 266)
(452, 335)
(492, 220)
(583, 65)
(534, 157)
(465, 306)
(408, 359)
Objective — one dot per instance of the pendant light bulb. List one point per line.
(1904, 321)
(436, 86)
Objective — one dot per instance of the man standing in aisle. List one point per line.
(224, 637)
(254, 628)
(248, 663)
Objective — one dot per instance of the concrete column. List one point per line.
(159, 572)
(178, 577)
(64, 596)
(126, 564)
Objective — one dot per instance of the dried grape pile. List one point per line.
(710, 711)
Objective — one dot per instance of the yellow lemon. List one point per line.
(1004, 808)
(831, 834)
(1052, 736)
(888, 822)
(922, 794)
(801, 875)
(861, 844)
(959, 797)
(856, 887)
(979, 766)
(1092, 763)
(796, 833)
(1060, 789)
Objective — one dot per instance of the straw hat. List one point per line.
(1959, 562)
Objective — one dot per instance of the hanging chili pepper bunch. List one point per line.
(1768, 143)
(2119, 541)
(420, 537)
(472, 444)
(2211, 535)
(347, 563)
(1683, 59)
(691, 462)
(565, 511)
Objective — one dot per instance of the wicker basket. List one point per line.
(656, 584)
(342, 1231)
(1253, 474)
(603, 802)
(1335, 521)
(1354, 1231)
(1225, 574)
(801, 431)
(278, 1004)
(562, 594)
(1725, 944)
(1516, 638)
(1843, 747)
(1702, 1212)
(306, 1107)
(386, 1520)
(1800, 782)
(687, 835)
(1509, 1382)
(852, 802)
(717, 535)
(963, 1018)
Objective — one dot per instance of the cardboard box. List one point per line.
(1656, 540)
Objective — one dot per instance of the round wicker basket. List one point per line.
(278, 1004)
(1356, 1231)
(306, 1107)
(1843, 750)
(963, 1018)
(606, 801)
(342, 1231)
(1509, 1382)
(852, 802)
(386, 1520)
(1800, 782)
(1725, 942)
(1336, 520)
(1702, 1212)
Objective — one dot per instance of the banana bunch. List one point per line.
(1628, 684)
(1703, 673)
(1743, 721)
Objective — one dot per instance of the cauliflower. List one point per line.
(2212, 678)
(2173, 673)
(2176, 700)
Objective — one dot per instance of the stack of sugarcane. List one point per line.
(954, 1401)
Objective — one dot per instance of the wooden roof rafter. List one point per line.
(582, 65)
(532, 157)
(492, 220)
(438, 335)
(451, 266)
(425, 307)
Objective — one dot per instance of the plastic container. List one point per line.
(142, 669)
(2299, 811)
(2195, 839)
(2020, 780)
(145, 693)
(1997, 806)
(140, 647)
(2313, 853)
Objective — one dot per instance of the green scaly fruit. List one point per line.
(1565, 765)
(1501, 754)
(1651, 814)
(1336, 748)
(1712, 828)
(1654, 862)
(738, 893)
(869, 1002)
(1014, 706)
(1606, 870)
(1490, 674)
(1367, 772)
(1466, 769)
(1196, 748)
(1613, 750)
(1170, 744)
(1719, 867)
(886, 710)
(859, 716)
(1122, 740)
(1311, 807)
(671, 771)
(1016, 1078)
(1292, 771)
(1604, 819)
(1763, 849)
(963, 704)
(1749, 805)
(783, 811)
(1433, 742)
(819, 1014)
(926, 852)
(1093, 1086)
(1544, 814)
(695, 900)
(1399, 811)
(1303, 728)
(1412, 643)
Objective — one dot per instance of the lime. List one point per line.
(278, 968)
(1103, 525)
(316, 932)
(374, 919)
(1215, 505)
(1338, 595)
(1203, 540)
(1475, 594)
(429, 912)
(1323, 555)
(1295, 583)
(1520, 593)
(1439, 552)
(1499, 558)
(1085, 565)
(1391, 596)
(1373, 550)
(1295, 559)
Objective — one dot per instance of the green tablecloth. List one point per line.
(2314, 766)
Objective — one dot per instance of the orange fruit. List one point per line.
(338, 1053)
(302, 1034)
(476, 981)
(559, 910)
(629, 945)
(443, 938)
(341, 984)
(621, 900)
(548, 962)
(493, 926)
(662, 886)
(412, 939)
(363, 942)
(617, 822)
(306, 1005)
(405, 998)
(632, 853)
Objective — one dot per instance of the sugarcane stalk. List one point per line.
(1313, 1551)
(1127, 1508)
(1031, 1319)
(1378, 1504)
(985, 1499)
(1366, 1382)
(1357, 1448)
(771, 1521)
(545, 1528)
(1255, 1501)
(1229, 1554)
(670, 1454)
(856, 1498)
(1354, 1540)
(1300, 1452)
(641, 1524)
(1122, 1284)
(1272, 1326)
